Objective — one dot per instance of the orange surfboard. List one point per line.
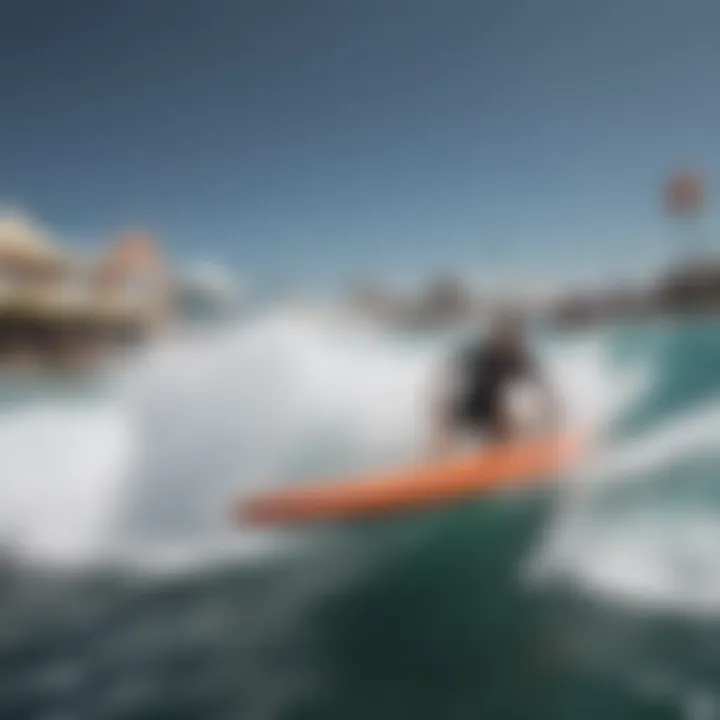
(490, 470)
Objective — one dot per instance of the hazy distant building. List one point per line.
(374, 300)
(59, 308)
(694, 286)
(445, 300)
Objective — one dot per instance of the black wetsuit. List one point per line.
(484, 372)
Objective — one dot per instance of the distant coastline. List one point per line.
(689, 287)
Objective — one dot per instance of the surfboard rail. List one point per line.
(487, 471)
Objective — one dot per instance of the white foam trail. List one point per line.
(658, 556)
(658, 559)
(61, 469)
(592, 391)
(677, 438)
(262, 404)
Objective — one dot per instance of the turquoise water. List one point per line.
(597, 603)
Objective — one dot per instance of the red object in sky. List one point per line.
(685, 194)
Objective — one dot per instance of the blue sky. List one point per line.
(324, 140)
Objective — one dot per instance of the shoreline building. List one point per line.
(63, 310)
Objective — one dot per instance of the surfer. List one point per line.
(482, 378)
(480, 402)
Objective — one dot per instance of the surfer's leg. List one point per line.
(452, 423)
(502, 428)
(501, 423)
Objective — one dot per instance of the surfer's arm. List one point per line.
(550, 405)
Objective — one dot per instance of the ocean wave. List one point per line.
(149, 473)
